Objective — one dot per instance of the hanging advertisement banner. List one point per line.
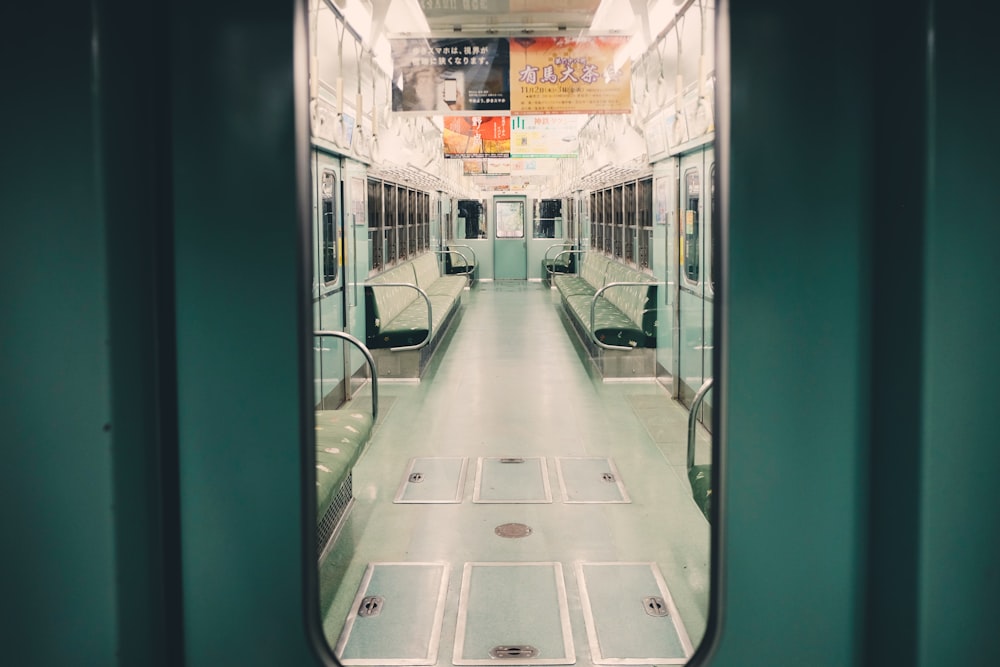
(450, 76)
(566, 75)
(461, 9)
(534, 166)
(498, 166)
(468, 137)
(553, 135)
(473, 167)
(488, 167)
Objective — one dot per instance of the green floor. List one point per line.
(511, 384)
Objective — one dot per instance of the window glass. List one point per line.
(510, 219)
(629, 232)
(471, 221)
(376, 231)
(714, 228)
(329, 227)
(644, 218)
(548, 218)
(690, 259)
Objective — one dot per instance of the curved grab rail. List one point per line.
(430, 318)
(549, 270)
(452, 245)
(593, 306)
(556, 245)
(468, 267)
(343, 335)
(693, 420)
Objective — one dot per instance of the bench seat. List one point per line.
(341, 436)
(611, 325)
(396, 313)
(624, 315)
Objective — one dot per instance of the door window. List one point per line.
(510, 219)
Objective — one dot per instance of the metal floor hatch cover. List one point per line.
(590, 480)
(510, 609)
(433, 480)
(396, 616)
(512, 480)
(630, 615)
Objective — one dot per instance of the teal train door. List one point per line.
(510, 246)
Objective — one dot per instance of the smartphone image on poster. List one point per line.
(450, 91)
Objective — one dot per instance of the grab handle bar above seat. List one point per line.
(549, 270)
(469, 248)
(465, 262)
(343, 335)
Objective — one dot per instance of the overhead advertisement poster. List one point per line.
(468, 137)
(461, 9)
(450, 76)
(567, 75)
(553, 135)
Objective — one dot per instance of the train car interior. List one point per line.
(514, 281)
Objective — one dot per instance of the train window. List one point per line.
(328, 227)
(629, 232)
(510, 219)
(714, 229)
(376, 229)
(618, 220)
(471, 221)
(690, 232)
(596, 238)
(548, 218)
(389, 220)
(644, 219)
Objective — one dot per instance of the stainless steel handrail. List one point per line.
(593, 305)
(693, 420)
(468, 267)
(368, 357)
(545, 256)
(564, 252)
(430, 318)
(452, 245)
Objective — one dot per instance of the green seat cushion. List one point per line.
(701, 488)
(340, 438)
(593, 268)
(397, 316)
(572, 286)
(450, 286)
(611, 325)
(426, 270)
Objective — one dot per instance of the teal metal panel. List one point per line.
(59, 581)
(241, 352)
(134, 152)
(960, 510)
(794, 372)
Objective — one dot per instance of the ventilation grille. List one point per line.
(334, 514)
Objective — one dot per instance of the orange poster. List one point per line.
(566, 75)
(468, 137)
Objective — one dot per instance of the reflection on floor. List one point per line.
(508, 426)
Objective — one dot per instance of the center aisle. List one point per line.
(511, 395)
